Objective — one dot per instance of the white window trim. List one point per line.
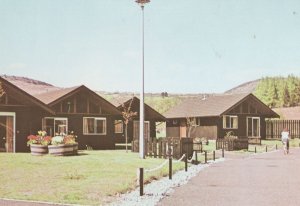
(230, 116)
(95, 118)
(122, 130)
(258, 118)
(55, 118)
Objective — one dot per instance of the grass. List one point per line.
(91, 178)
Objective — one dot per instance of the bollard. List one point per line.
(196, 156)
(276, 146)
(205, 157)
(223, 152)
(214, 154)
(266, 148)
(170, 168)
(255, 149)
(141, 181)
(185, 160)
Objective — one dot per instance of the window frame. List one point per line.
(55, 118)
(95, 125)
(230, 117)
(122, 127)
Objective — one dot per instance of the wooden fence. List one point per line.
(162, 148)
(275, 127)
(230, 145)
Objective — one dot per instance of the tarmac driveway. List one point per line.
(261, 180)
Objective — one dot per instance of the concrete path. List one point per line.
(261, 180)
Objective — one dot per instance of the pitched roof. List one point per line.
(211, 106)
(53, 97)
(288, 113)
(49, 97)
(149, 111)
(28, 97)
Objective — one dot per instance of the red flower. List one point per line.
(32, 137)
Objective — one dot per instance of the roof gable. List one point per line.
(149, 111)
(23, 96)
(55, 97)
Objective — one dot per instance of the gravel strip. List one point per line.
(158, 189)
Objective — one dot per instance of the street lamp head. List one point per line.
(142, 2)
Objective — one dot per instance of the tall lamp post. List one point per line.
(141, 140)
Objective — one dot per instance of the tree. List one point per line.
(286, 96)
(190, 123)
(127, 115)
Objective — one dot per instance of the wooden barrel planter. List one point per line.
(38, 150)
(63, 149)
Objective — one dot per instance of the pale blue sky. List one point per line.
(190, 45)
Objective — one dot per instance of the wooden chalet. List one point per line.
(151, 118)
(75, 109)
(213, 117)
(20, 115)
(82, 111)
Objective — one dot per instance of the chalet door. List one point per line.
(136, 130)
(7, 131)
(182, 130)
(253, 126)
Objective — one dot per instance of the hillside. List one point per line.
(248, 87)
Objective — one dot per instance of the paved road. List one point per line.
(261, 180)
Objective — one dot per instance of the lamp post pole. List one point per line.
(142, 110)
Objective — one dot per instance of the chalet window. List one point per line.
(94, 126)
(198, 121)
(174, 122)
(118, 126)
(55, 125)
(230, 122)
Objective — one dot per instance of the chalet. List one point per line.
(213, 117)
(75, 109)
(151, 118)
(82, 111)
(20, 115)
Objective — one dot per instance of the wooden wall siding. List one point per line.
(28, 121)
(107, 141)
(78, 104)
(210, 132)
(173, 131)
(275, 127)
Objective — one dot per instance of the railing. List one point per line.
(230, 145)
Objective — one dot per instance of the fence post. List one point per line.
(141, 181)
(202, 149)
(214, 154)
(255, 149)
(185, 161)
(170, 168)
(276, 146)
(223, 152)
(205, 157)
(266, 148)
(196, 156)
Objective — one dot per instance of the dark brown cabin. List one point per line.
(151, 118)
(82, 111)
(213, 117)
(20, 115)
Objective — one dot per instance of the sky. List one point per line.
(191, 46)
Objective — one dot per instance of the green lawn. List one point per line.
(93, 177)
